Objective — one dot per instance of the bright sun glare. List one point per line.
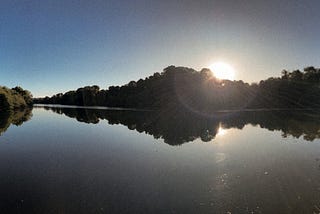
(222, 70)
(221, 131)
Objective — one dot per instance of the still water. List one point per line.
(69, 160)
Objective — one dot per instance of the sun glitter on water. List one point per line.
(221, 131)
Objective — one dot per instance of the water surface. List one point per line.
(69, 160)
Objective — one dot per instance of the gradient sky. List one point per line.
(54, 46)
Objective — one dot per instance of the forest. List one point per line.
(15, 98)
(15, 107)
(200, 91)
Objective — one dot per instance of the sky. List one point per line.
(52, 46)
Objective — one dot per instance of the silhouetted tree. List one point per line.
(186, 88)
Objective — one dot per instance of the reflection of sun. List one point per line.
(222, 70)
(221, 131)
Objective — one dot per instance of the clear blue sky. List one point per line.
(51, 46)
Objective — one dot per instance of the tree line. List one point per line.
(14, 98)
(200, 91)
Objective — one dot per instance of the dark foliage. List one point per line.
(180, 87)
(14, 98)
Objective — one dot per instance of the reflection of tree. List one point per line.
(177, 127)
(292, 123)
(16, 117)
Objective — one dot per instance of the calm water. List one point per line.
(66, 160)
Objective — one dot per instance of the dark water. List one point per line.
(66, 160)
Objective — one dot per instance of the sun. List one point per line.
(222, 70)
